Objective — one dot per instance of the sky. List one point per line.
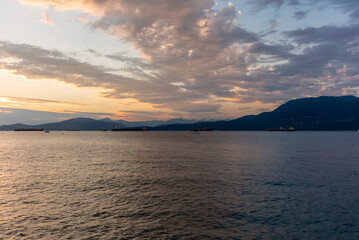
(161, 59)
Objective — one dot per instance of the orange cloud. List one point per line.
(36, 100)
(46, 19)
(90, 6)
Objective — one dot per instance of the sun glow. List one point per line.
(4, 100)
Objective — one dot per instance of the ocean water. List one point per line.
(177, 185)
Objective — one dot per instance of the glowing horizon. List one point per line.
(142, 60)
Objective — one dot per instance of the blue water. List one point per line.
(177, 185)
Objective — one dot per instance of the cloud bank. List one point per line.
(196, 57)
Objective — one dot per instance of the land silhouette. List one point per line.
(317, 114)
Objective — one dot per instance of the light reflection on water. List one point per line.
(177, 185)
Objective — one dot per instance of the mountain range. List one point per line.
(89, 124)
(316, 114)
(321, 113)
(155, 123)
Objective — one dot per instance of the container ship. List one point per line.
(28, 129)
(142, 129)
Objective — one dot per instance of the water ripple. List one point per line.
(175, 185)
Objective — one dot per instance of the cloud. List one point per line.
(196, 57)
(36, 100)
(183, 41)
(261, 4)
(300, 14)
(325, 34)
(37, 63)
(329, 55)
(46, 19)
(86, 114)
(348, 6)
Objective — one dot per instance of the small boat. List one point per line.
(47, 131)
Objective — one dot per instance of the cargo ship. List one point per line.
(281, 129)
(200, 129)
(138, 129)
(28, 129)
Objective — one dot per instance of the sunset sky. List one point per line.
(162, 59)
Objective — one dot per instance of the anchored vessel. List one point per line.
(130, 129)
(28, 129)
(281, 129)
(200, 129)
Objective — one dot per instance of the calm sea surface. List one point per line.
(177, 185)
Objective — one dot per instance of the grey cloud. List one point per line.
(37, 63)
(132, 61)
(324, 34)
(300, 14)
(279, 51)
(186, 42)
(169, 30)
(302, 7)
(348, 6)
(327, 50)
(187, 45)
(260, 4)
(312, 62)
(199, 57)
(213, 57)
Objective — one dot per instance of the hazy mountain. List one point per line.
(72, 124)
(154, 123)
(322, 113)
(92, 124)
(14, 126)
